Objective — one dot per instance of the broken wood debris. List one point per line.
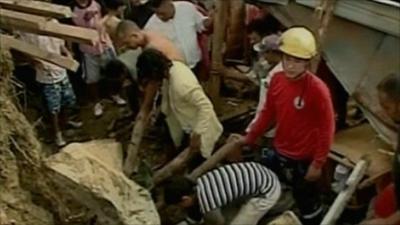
(9, 42)
(37, 8)
(344, 196)
(175, 165)
(11, 19)
(41, 25)
(131, 161)
(214, 159)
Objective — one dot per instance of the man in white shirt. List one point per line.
(180, 22)
(266, 66)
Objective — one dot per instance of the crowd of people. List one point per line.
(157, 49)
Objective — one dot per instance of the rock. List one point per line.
(16, 206)
(92, 173)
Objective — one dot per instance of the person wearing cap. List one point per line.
(268, 64)
(299, 105)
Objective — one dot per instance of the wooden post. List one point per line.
(344, 196)
(220, 22)
(131, 161)
(40, 25)
(323, 14)
(235, 35)
(9, 42)
(175, 165)
(213, 160)
(37, 7)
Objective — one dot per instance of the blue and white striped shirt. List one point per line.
(225, 184)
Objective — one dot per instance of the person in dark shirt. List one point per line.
(138, 11)
(387, 203)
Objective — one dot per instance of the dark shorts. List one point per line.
(59, 95)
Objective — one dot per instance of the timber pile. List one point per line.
(37, 17)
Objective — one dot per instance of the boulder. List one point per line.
(92, 173)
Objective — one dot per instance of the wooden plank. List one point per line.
(9, 42)
(41, 25)
(354, 143)
(214, 159)
(37, 8)
(11, 19)
(72, 33)
(131, 162)
(178, 163)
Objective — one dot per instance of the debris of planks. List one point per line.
(9, 42)
(41, 25)
(37, 7)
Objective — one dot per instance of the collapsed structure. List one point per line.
(40, 191)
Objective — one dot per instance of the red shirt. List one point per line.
(303, 114)
(385, 203)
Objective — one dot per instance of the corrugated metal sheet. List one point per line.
(358, 56)
(382, 17)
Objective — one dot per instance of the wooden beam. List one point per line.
(214, 159)
(12, 19)
(72, 33)
(9, 42)
(323, 14)
(220, 22)
(178, 163)
(131, 162)
(40, 25)
(37, 8)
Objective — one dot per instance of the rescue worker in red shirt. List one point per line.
(299, 106)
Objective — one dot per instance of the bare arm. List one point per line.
(65, 51)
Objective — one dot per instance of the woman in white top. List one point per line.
(184, 103)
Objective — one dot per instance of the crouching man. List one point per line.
(222, 186)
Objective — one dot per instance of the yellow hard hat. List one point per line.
(298, 42)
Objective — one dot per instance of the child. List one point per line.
(87, 13)
(56, 88)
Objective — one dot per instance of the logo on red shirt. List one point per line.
(298, 103)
